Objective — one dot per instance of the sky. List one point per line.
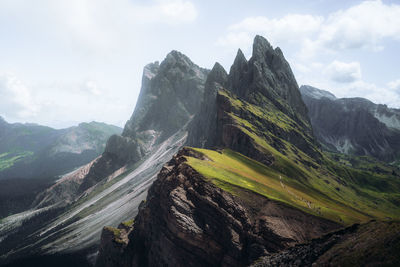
(67, 61)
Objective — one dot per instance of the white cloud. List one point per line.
(58, 104)
(92, 87)
(177, 10)
(380, 95)
(81, 60)
(95, 24)
(395, 85)
(343, 72)
(292, 28)
(16, 99)
(365, 25)
(361, 26)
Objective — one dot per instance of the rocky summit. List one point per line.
(168, 99)
(258, 100)
(354, 126)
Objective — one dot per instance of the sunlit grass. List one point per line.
(315, 196)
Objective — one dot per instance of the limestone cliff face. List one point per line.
(167, 102)
(258, 99)
(269, 74)
(353, 125)
(188, 221)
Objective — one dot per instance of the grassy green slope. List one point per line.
(228, 169)
(8, 159)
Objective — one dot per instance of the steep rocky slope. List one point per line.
(370, 244)
(188, 221)
(198, 214)
(353, 125)
(107, 191)
(168, 99)
(257, 104)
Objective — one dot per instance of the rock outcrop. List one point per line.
(167, 102)
(113, 244)
(258, 99)
(370, 244)
(188, 221)
(353, 125)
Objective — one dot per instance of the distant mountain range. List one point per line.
(31, 150)
(33, 156)
(353, 126)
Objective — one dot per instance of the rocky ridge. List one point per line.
(35, 151)
(353, 126)
(167, 102)
(258, 100)
(188, 221)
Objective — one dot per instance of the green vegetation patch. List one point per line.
(128, 223)
(320, 194)
(8, 160)
(115, 231)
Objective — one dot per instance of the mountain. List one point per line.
(188, 221)
(30, 150)
(167, 101)
(353, 126)
(259, 185)
(256, 106)
(253, 184)
(33, 156)
(70, 215)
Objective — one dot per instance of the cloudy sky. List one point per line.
(67, 61)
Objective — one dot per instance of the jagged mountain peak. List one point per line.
(176, 59)
(165, 83)
(151, 70)
(217, 74)
(168, 99)
(237, 74)
(236, 113)
(240, 59)
(315, 92)
(261, 46)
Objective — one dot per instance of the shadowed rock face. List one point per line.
(370, 244)
(168, 100)
(353, 125)
(254, 91)
(187, 221)
(269, 74)
(113, 244)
